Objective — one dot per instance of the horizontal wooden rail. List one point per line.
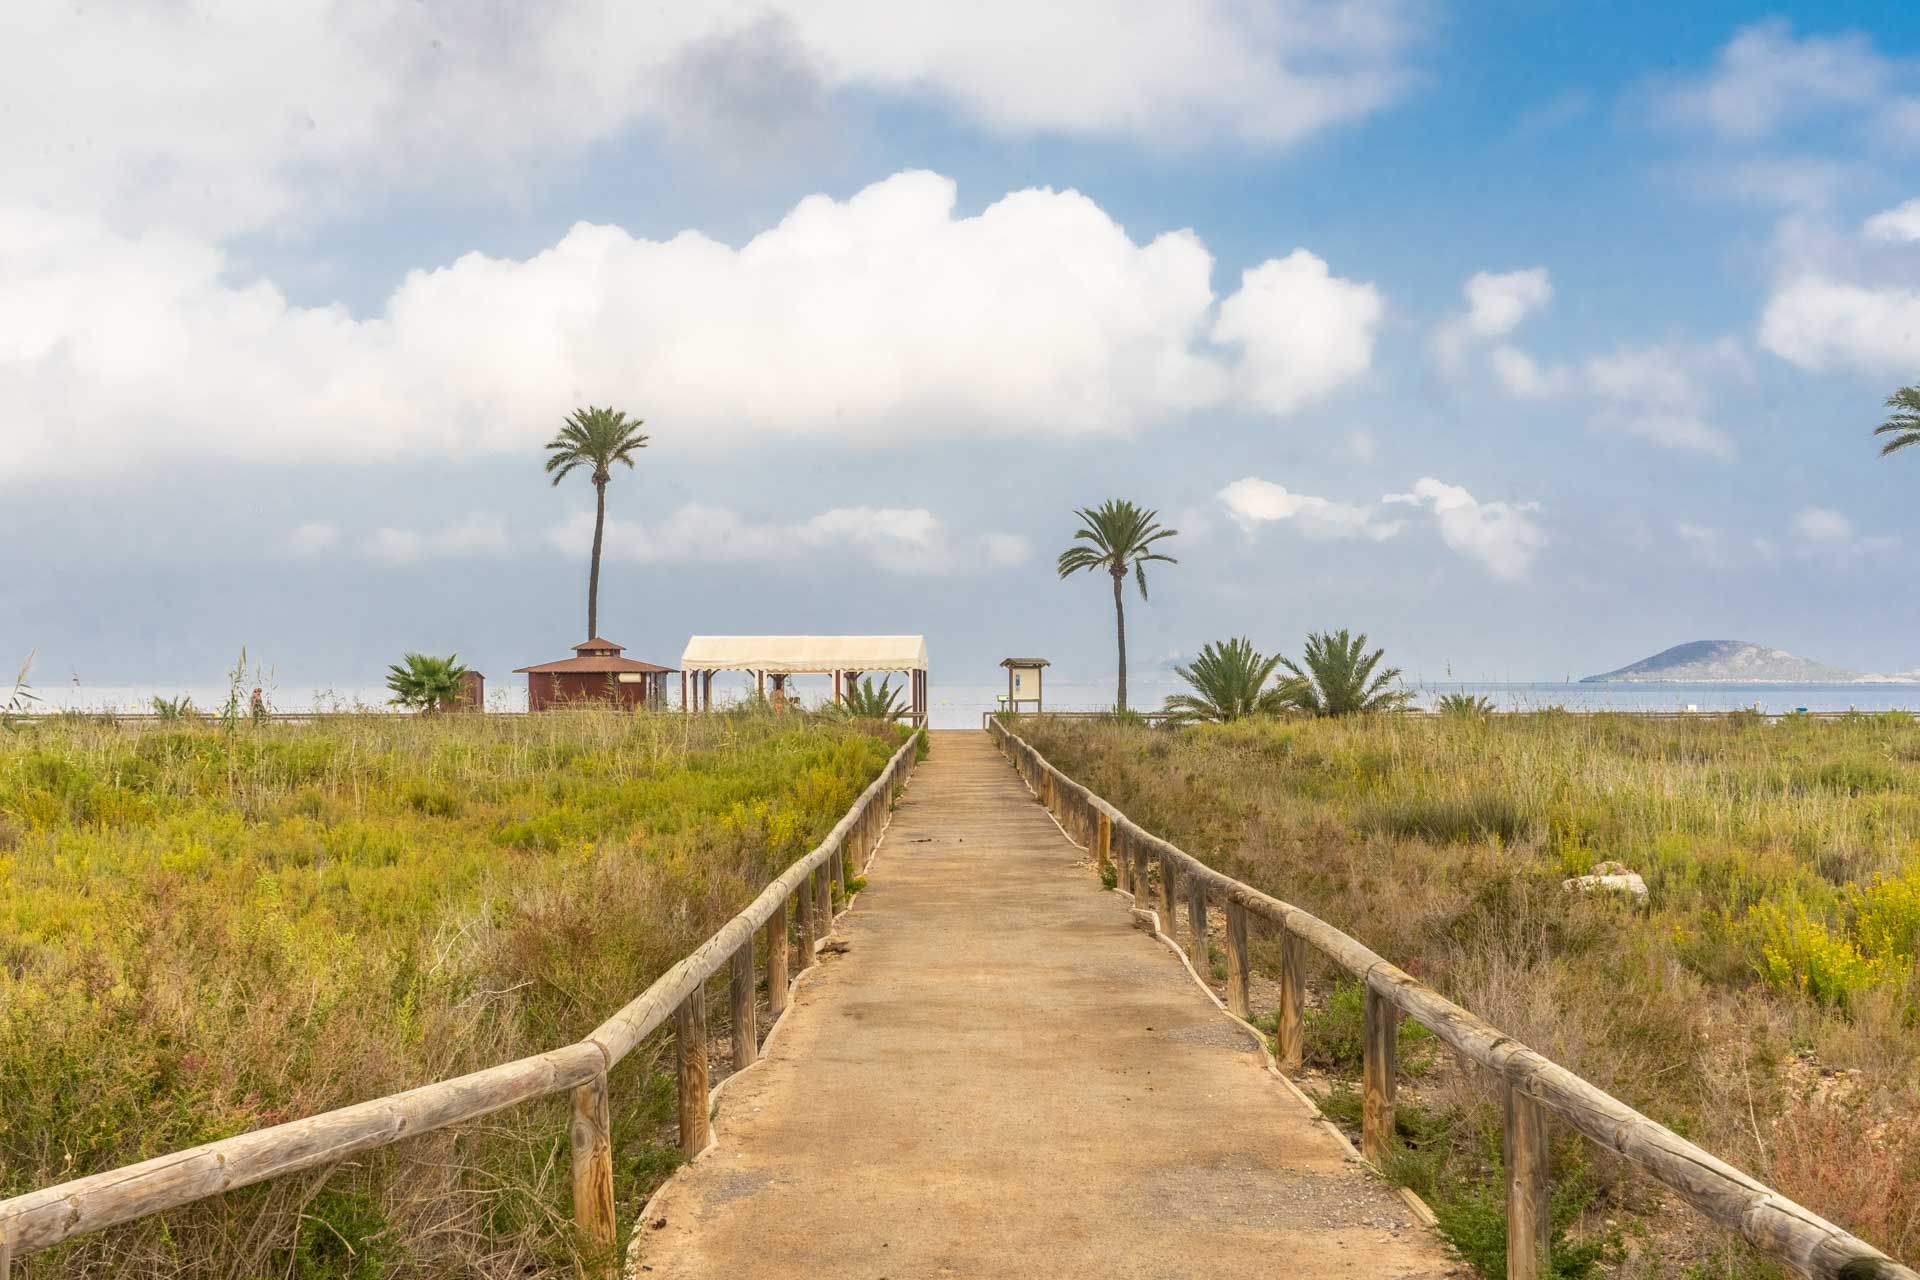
(41, 1218)
(1531, 1084)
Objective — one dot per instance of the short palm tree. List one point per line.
(423, 682)
(1229, 681)
(1119, 536)
(1468, 706)
(1336, 677)
(1903, 424)
(864, 700)
(596, 439)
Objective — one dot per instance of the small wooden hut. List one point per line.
(596, 674)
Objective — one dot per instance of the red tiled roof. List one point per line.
(592, 662)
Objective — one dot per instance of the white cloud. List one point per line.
(214, 116)
(1253, 502)
(1303, 330)
(1828, 534)
(1004, 549)
(1898, 224)
(1503, 536)
(893, 538)
(1822, 323)
(1522, 375)
(476, 535)
(1497, 301)
(879, 318)
(1767, 78)
(312, 538)
(1820, 524)
(1659, 394)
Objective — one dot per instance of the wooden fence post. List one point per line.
(823, 892)
(746, 1032)
(803, 899)
(591, 1133)
(1142, 880)
(1289, 1048)
(690, 1035)
(778, 945)
(1122, 860)
(1237, 961)
(1103, 841)
(1197, 951)
(1529, 1224)
(1378, 1076)
(1168, 922)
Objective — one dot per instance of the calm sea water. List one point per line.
(960, 705)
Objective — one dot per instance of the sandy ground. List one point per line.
(1001, 1076)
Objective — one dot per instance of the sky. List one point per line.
(1528, 338)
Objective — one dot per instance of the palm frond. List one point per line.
(1903, 424)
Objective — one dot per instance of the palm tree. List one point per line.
(1903, 424)
(1464, 705)
(1119, 536)
(1339, 677)
(1229, 682)
(595, 438)
(866, 701)
(423, 682)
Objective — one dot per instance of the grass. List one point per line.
(205, 930)
(1764, 1002)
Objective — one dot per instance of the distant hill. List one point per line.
(1730, 661)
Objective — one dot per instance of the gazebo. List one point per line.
(596, 673)
(774, 658)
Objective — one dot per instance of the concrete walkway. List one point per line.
(1003, 1077)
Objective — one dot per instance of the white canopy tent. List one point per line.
(843, 657)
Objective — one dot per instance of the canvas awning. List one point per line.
(805, 654)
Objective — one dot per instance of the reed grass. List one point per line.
(1763, 1002)
(207, 929)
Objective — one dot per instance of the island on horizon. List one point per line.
(1736, 662)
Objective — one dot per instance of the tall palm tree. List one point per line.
(1119, 536)
(1229, 681)
(595, 438)
(1903, 424)
(1339, 677)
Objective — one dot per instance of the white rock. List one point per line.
(1610, 877)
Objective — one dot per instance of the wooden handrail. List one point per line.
(1530, 1083)
(45, 1217)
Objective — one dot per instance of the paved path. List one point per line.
(1003, 1077)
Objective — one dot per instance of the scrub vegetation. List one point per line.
(1763, 1001)
(208, 928)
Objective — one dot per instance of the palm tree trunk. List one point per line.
(593, 574)
(1120, 630)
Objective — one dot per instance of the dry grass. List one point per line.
(1764, 1003)
(204, 931)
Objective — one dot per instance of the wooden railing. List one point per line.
(46, 1217)
(1532, 1087)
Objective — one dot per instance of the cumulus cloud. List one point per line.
(1820, 524)
(475, 535)
(215, 117)
(1767, 78)
(1502, 536)
(1303, 331)
(892, 538)
(1896, 225)
(1822, 323)
(1497, 301)
(877, 318)
(1253, 502)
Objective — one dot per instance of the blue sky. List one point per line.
(1527, 337)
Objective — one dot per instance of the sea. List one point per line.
(962, 705)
